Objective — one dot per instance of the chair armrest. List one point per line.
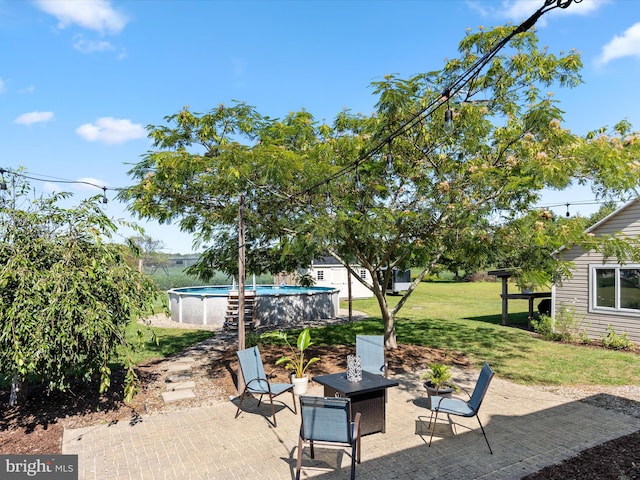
(260, 381)
(356, 425)
(465, 391)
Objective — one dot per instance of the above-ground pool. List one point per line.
(279, 306)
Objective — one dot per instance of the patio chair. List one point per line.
(456, 406)
(370, 349)
(327, 420)
(256, 382)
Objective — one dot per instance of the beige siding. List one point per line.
(573, 293)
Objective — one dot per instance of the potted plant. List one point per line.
(296, 361)
(438, 380)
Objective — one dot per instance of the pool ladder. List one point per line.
(231, 315)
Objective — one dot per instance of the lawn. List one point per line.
(466, 317)
(463, 317)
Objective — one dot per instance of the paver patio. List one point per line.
(528, 429)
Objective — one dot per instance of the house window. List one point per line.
(320, 275)
(616, 288)
(363, 273)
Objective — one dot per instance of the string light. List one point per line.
(448, 120)
(417, 118)
(46, 178)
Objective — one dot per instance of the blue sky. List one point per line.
(80, 80)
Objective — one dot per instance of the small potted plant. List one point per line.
(296, 361)
(438, 380)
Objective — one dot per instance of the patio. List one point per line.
(528, 429)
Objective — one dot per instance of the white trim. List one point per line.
(616, 310)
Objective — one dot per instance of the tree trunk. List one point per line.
(16, 389)
(388, 318)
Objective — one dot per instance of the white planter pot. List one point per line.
(300, 384)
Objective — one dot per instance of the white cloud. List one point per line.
(90, 184)
(50, 187)
(111, 130)
(98, 15)
(34, 117)
(625, 45)
(519, 10)
(3, 87)
(28, 90)
(90, 46)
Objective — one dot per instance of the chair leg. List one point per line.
(485, 435)
(433, 425)
(273, 411)
(240, 404)
(295, 407)
(299, 461)
(354, 454)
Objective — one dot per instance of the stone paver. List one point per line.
(527, 428)
(177, 395)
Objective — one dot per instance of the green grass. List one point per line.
(466, 317)
(462, 317)
(169, 341)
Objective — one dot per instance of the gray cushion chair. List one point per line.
(327, 420)
(457, 406)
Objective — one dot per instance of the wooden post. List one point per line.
(505, 301)
(349, 292)
(241, 273)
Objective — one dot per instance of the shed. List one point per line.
(328, 272)
(602, 294)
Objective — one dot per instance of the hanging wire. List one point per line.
(456, 86)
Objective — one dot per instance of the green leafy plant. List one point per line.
(296, 361)
(66, 294)
(612, 339)
(439, 377)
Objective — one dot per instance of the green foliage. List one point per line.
(66, 295)
(439, 376)
(450, 199)
(296, 361)
(544, 327)
(566, 327)
(615, 341)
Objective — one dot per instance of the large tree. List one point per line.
(66, 294)
(392, 190)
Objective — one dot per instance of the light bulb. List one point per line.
(448, 121)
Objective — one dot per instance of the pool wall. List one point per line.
(274, 306)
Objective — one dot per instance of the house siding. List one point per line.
(573, 293)
(335, 275)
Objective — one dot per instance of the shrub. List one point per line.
(615, 341)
